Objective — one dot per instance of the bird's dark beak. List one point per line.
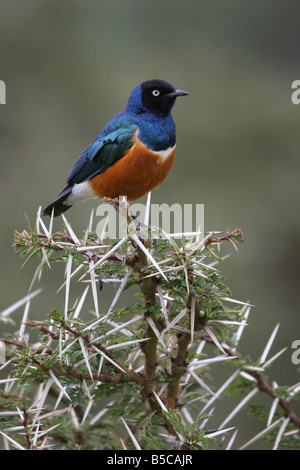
(176, 93)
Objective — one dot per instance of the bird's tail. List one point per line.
(59, 205)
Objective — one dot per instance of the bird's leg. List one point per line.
(143, 229)
(123, 207)
(148, 231)
(134, 224)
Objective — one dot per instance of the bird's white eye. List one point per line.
(155, 92)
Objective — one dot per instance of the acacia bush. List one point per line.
(139, 376)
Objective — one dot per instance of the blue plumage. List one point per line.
(147, 116)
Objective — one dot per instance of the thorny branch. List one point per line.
(199, 302)
(264, 387)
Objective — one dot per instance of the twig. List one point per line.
(264, 387)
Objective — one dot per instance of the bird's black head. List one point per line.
(156, 96)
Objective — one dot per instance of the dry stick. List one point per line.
(25, 423)
(177, 370)
(178, 364)
(148, 286)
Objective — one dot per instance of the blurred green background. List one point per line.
(70, 66)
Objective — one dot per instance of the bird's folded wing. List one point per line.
(101, 154)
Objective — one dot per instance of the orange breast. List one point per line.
(135, 174)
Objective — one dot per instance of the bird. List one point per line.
(131, 155)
